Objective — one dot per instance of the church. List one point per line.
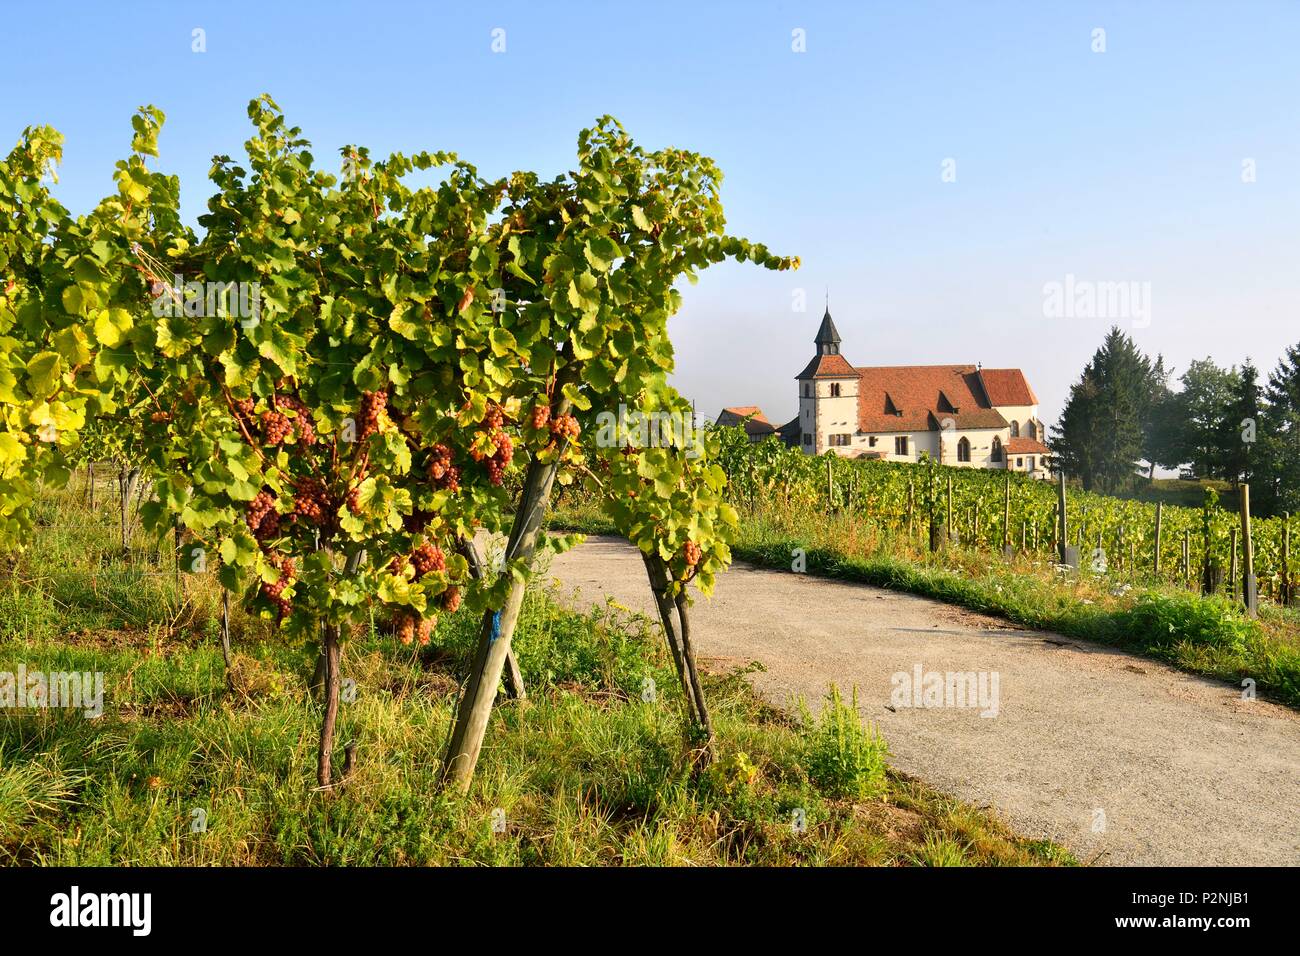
(963, 415)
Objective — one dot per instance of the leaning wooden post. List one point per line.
(498, 626)
(1160, 513)
(513, 677)
(1248, 583)
(1062, 525)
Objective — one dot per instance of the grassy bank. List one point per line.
(1203, 635)
(592, 769)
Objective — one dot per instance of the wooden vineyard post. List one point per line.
(1006, 516)
(1248, 584)
(1160, 513)
(932, 502)
(1232, 564)
(911, 508)
(513, 678)
(950, 520)
(1286, 559)
(1187, 558)
(1062, 527)
(1024, 533)
(498, 626)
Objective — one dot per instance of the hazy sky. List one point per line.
(1122, 166)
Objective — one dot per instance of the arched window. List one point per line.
(807, 391)
(1031, 429)
(963, 450)
(996, 453)
(1015, 429)
(835, 389)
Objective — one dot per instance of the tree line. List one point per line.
(1127, 415)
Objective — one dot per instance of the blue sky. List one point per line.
(1122, 166)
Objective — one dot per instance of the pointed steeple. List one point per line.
(828, 339)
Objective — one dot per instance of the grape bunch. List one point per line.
(428, 557)
(692, 554)
(497, 464)
(408, 628)
(302, 423)
(445, 475)
(494, 418)
(275, 592)
(398, 565)
(565, 426)
(451, 599)
(159, 417)
(373, 404)
(539, 416)
(262, 518)
(276, 427)
(312, 501)
(354, 500)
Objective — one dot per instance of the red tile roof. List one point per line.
(907, 398)
(1027, 446)
(750, 416)
(1007, 386)
(745, 411)
(828, 366)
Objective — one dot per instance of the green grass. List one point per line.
(585, 772)
(1209, 636)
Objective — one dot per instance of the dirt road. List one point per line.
(1123, 760)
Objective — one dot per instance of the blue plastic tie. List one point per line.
(496, 627)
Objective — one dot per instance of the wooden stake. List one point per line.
(498, 626)
(1061, 523)
(1232, 566)
(951, 517)
(1006, 514)
(1160, 513)
(1247, 555)
(1286, 559)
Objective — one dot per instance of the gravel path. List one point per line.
(1124, 760)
